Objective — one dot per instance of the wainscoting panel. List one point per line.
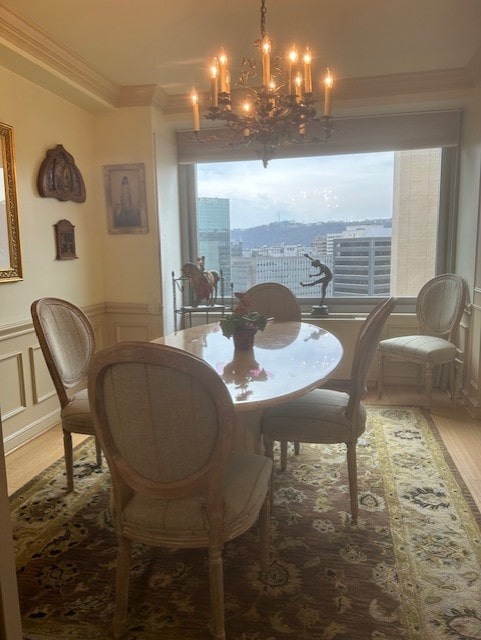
(29, 404)
(132, 332)
(12, 390)
(42, 385)
(472, 369)
(132, 322)
(28, 401)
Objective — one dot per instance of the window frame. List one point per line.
(353, 135)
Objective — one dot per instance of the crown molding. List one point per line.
(385, 86)
(31, 52)
(473, 68)
(400, 84)
(145, 95)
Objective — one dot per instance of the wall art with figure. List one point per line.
(126, 199)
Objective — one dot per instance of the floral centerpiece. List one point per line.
(243, 323)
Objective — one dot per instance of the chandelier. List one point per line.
(276, 113)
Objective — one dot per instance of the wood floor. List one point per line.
(461, 435)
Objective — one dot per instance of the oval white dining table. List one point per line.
(288, 360)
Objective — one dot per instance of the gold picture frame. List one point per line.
(10, 255)
(126, 198)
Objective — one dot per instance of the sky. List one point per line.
(341, 187)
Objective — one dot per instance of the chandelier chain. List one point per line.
(263, 19)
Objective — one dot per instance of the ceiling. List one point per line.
(127, 43)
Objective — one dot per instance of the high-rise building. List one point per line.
(366, 259)
(213, 219)
(362, 266)
(286, 265)
(414, 219)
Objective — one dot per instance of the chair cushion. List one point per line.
(184, 522)
(317, 417)
(76, 416)
(419, 348)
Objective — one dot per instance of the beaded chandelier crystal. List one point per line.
(276, 113)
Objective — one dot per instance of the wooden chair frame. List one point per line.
(55, 346)
(327, 432)
(206, 481)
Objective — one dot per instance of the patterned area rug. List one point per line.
(410, 569)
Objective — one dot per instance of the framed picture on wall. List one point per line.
(126, 198)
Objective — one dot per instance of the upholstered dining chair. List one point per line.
(439, 307)
(275, 300)
(326, 416)
(67, 342)
(165, 421)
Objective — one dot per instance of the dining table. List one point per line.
(288, 360)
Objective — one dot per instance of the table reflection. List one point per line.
(288, 359)
(242, 371)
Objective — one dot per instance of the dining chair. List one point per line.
(439, 308)
(326, 416)
(275, 300)
(67, 342)
(165, 421)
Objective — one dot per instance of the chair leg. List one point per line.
(352, 475)
(429, 373)
(216, 580)
(269, 452)
(122, 586)
(68, 454)
(297, 448)
(98, 452)
(380, 374)
(419, 378)
(264, 534)
(283, 455)
(458, 378)
(268, 447)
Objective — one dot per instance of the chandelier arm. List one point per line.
(263, 19)
(279, 112)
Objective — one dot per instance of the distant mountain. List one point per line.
(293, 233)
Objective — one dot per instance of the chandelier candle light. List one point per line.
(278, 112)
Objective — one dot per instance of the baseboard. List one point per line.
(30, 431)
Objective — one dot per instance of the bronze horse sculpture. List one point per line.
(204, 283)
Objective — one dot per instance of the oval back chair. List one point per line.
(165, 420)
(67, 342)
(439, 308)
(275, 300)
(325, 416)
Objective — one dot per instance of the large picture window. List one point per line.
(377, 205)
(372, 218)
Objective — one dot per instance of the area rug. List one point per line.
(409, 570)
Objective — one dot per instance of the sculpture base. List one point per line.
(319, 311)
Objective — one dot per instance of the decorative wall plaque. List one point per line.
(65, 240)
(59, 177)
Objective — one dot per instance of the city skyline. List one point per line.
(415, 197)
(325, 188)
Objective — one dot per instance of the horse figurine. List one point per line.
(204, 283)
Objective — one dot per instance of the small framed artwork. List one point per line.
(65, 240)
(126, 198)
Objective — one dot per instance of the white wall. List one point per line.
(468, 261)
(130, 262)
(117, 277)
(169, 223)
(41, 121)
